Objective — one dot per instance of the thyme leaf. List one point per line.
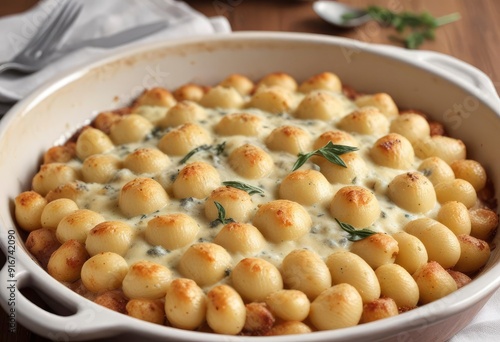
(221, 212)
(245, 187)
(355, 234)
(330, 151)
(193, 151)
(219, 148)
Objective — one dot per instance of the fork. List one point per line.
(36, 53)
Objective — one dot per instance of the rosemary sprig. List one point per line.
(245, 187)
(355, 234)
(330, 151)
(218, 151)
(419, 26)
(221, 213)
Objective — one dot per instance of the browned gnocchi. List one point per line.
(264, 207)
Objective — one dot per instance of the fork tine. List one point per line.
(54, 33)
(69, 20)
(43, 29)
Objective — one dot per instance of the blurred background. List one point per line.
(473, 39)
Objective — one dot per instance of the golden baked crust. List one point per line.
(189, 208)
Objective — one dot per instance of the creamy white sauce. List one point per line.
(325, 235)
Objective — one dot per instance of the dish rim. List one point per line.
(468, 296)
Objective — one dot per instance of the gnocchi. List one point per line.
(104, 272)
(304, 270)
(366, 120)
(235, 208)
(185, 304)
(355, 205)
(339, 306)
(255, 279)
(320, 105)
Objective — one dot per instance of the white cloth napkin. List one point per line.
(485, 326)
(98, 18)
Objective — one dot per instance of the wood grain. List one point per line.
(473, 39)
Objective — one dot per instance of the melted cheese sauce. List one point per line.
(325, 235)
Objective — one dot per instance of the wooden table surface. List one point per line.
(475, 39)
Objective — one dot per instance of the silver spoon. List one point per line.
(333, 12)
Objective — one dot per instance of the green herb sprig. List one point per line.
(217, 148)
(414, 28)
(330, 151)
(221, 213)
(355, 234)
(250, 189)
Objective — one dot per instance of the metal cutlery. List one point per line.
(122, 37)
(35, 54)
(35, 62)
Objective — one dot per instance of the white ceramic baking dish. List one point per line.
(454, 93)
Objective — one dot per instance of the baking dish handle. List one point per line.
(87, 321)
(458, 69)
